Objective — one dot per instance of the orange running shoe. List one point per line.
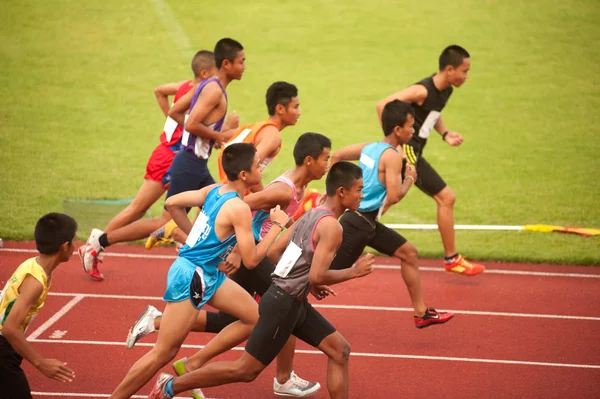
(462, 266)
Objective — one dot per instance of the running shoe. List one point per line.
(143, 326)
(295, 386)
(91, 254)
(432, 316)
(158, 391)
(162, 235)
(179, 367)
(460, 265)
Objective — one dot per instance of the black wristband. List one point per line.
(444, 135)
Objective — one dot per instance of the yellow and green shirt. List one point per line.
(11, 291)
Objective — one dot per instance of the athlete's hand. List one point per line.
(410, 170)
(321, 291)
(363, 266)
(56, 370)
(454, 139)
(231, 265)
(232, 121)
(279, 216)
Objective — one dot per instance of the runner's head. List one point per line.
(313, 151)
(345, 182)
(241, 162)
(397, 119)
(54, 234)
(230, 57)
(203, 64)
(455, 63)
(282, 100)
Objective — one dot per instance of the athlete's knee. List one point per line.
(341, 350)
(164, 354)
(446, 197)
(408, 254)
(247, 372)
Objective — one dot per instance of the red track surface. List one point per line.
(498, 345)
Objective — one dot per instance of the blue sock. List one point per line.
(169, 388)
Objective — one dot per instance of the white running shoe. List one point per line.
(143, 326)
(295, 386)
(91, 254)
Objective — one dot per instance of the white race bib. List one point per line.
(200, 228)
(288, 260)
(428, 124)
(169, 128)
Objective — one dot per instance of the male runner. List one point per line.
(189, 170)
(311, 154)
(428, 97)
(283, 107)
(304, 254)
(193, 279)
(381, 166)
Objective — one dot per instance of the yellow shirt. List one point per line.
(11, 291)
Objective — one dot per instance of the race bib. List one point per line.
(200, 230)
(428, 124)
(288, 260)
(169, 128)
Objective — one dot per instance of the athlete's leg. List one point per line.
(178, 319)
(338, 351)
(445, 200)
(148, 194)
(232, 299)
(408, 255)
(137, 230)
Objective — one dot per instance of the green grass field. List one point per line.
(79, 118)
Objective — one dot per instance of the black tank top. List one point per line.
(427, 114)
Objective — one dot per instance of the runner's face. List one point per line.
(238, 66)
(292, 112)
(255, 176)
(459, 75)
(353, 196)
(321, 165)
(407, 131)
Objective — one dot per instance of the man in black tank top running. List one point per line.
(428, 98)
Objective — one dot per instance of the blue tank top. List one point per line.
(199, 146)
(203, 248)
(374, 192)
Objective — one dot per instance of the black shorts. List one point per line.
(282, 315)
(12, 377)
(428, 180)
(188, 172)
(254, 281)
(362, 230)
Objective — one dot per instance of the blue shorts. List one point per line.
(188, 281)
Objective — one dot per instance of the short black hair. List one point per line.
(453, 55)
(203, 60)
(52, 231)
(395, 114)
(310, 144)
(342, 174)
(280, 93)
(236, 158)
(226, 49)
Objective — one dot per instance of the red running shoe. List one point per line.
(432, 316)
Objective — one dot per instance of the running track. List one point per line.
(520, 331)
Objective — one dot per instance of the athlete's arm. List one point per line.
(240, 218)
(162, 94)
(395, 187)
(452, 138)
(328, 235)
(277, 194)
(209, 99)
(178, 110)
(29, 291)
(278, 248)
(416, 94)
(268, 142)
(176, 206)
(350, 153)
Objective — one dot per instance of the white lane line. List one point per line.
(357, 307)
(40, 330)
(392, 267)
(173, 27)
(359, 354)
